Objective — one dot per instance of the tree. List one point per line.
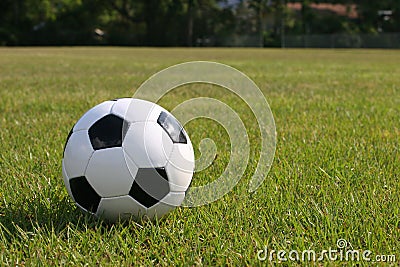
(272, 11)
(27, 21)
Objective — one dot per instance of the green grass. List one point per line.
(335, 173)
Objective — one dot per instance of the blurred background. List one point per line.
(201, 23)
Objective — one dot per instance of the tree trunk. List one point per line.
(261, 23)
(189, 33)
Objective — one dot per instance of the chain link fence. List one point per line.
(382, 40)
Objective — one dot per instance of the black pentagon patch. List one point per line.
(172, 127)
(69, 136)
(150, 186)
(162, 173)
(107, 132)
(84, 194)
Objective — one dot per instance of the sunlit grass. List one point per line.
(335, 173)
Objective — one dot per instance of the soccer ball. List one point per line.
(127, 158)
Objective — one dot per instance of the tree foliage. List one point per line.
(180, 22)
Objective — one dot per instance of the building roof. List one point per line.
(341, 10)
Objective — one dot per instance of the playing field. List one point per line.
(335, 174)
